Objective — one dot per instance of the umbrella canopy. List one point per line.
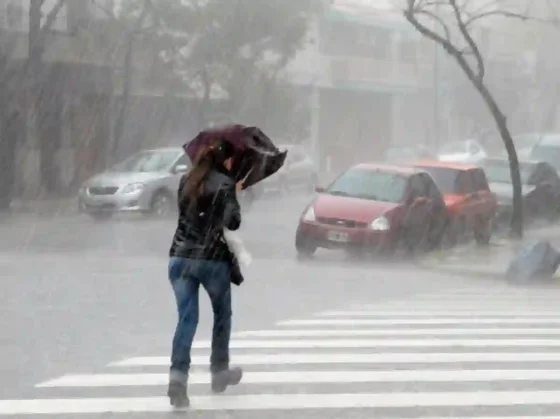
(255, 155)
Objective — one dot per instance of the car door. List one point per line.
(546, 195)
(438, 210)
(484, 201)
(438, 217)
(550, 176)
(417, 205)
(464, 187)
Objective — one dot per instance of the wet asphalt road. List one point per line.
(79, 295)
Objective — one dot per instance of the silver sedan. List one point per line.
(146, 183)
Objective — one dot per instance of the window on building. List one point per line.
(350, 39)
(380, 43)
(408, 50)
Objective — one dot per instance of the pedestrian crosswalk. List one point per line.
(484, 352)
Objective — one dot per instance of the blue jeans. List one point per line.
(186, 276)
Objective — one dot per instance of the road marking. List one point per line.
(309, 377)
(495, 294)
(473, 298)
(512, 312)
(459, 307)
(282, 402)
(468, 320)
(274, 333)
(377, 343)
(353, 358)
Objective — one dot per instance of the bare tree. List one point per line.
(127, 76)
(45, 117)
(10, 121)
(451, 24)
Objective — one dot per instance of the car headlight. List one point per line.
(133, 187)
(380, 224)
(309, 215)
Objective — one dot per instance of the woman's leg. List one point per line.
(185, 287)
(216, 281)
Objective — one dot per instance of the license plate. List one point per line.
(337, 236)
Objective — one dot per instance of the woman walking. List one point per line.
(207, 200)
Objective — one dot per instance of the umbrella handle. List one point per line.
(245, 178)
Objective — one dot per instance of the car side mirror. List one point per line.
(320, 189)
(181, 168)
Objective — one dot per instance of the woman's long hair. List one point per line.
(192, 184)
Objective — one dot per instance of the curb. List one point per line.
(443, 262)
(460, 271)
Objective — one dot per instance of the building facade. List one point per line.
(370, 75)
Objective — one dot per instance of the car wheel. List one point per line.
(161, 205)
(460, 230)
(305, 247)
(483, 231)
(412, 240)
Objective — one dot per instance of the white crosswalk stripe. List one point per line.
(482, 352)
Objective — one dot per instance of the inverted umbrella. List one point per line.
(255, 155)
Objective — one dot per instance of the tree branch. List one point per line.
(51, 16)
(510, 15)
(438, 20)
(410, 15)
(469, 39)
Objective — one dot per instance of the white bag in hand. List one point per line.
(237, 247)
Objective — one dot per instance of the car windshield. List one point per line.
(370, 184)
(454, 147)
(148, 161)
(498, 172)
(444, 177)
(547, 153)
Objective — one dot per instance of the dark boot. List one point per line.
(222, 379)
(177, 393)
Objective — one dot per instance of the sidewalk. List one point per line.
(488, 262)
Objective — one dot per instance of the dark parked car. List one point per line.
(374, 208)
(540, 183)
(547, 149)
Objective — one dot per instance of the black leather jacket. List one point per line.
(199, 229)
